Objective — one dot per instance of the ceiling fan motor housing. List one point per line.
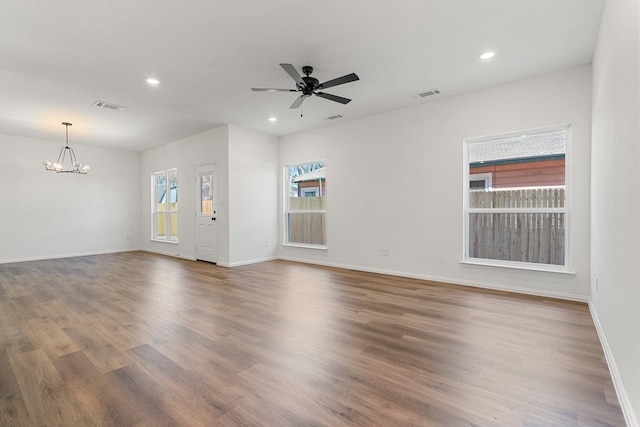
(310, 85)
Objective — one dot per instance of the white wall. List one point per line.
(394, 180)
(247, 193)
(49, 215)
(615, 208)
(185, 155)
(253, 196)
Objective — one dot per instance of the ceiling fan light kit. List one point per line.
(308, 85)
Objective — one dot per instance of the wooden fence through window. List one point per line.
(537, 237)
(161, 220)
(307, 227)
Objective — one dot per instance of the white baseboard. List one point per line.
(220, 264)
(623, 397)
(169, 253)
(250, 261)
(483, 285)
(73, 255)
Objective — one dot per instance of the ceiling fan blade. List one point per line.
(335, 98)
(268, 89)
(298, 102)
(339, 81)
(291, 70)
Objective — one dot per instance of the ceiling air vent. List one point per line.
(109, 105)
(337, 116)
(426, 93)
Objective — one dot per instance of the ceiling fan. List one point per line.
(311, 86)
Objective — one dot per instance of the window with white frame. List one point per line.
(305, 216)
(521, 215)
(164, 205)
(480, 181)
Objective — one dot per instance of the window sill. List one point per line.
(302, 245)
(519, 266)
(175, 242)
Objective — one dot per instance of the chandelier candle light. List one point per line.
(59, 166)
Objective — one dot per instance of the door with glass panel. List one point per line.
(207, 213)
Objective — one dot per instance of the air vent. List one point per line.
(426, 93)
(337, 116)
(109, 105)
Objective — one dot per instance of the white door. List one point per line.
(207, 213)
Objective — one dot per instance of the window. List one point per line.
(516, 207)
(480, 181)
(306, 186)
(164, 205)
(310, 192)
(206, 193)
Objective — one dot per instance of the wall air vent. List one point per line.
(426, 93)
(109, 105)
(337, 116)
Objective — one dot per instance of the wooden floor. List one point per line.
(138, 339)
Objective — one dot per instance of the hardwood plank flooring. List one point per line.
(138, 339)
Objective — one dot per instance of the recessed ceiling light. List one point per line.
(273, 119)
(487, 55)
(153, 81)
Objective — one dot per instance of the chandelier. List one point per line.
(73, 166)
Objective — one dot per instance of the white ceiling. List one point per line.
(57, 57)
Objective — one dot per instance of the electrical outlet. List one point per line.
(597, 283)
(383, 251)
(266, 243)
